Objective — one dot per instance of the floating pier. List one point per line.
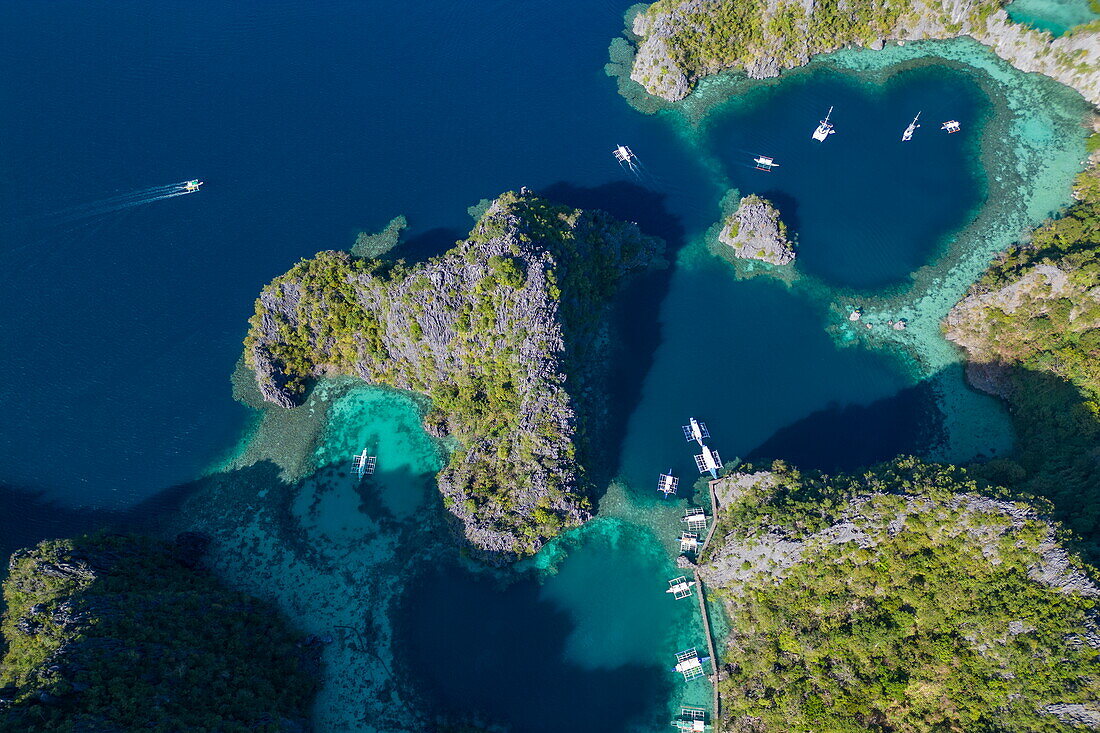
(710, 643)
(680, 587)
(363, 465)
(714, 513)
(668, 484)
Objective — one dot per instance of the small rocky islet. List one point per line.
(755, 231)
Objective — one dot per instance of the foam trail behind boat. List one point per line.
(113, 203)
(108, 206)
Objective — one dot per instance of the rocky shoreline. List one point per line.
(681, 42)
(502, 332)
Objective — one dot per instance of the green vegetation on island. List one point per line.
(897, 600)
(682, 41)
(1031, 331)
(122, 633)
(504, 333)
(722, 34)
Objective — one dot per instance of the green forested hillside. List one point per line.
(897, 600)
(120, 633)
(1031, 326)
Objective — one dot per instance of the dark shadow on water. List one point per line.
(850, 437)
(481, 652)
(426, 245)
(27, 517)
(635, 333)
(1057, 454)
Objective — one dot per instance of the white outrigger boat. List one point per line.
(825, 128)
(908, 134)
(623, 154)
(680, 587)
(692, 720)
(363, 465)
(668, 484)
(695, 430)
(951, 126)
(192, 186)
(709, 460)
(764, 163)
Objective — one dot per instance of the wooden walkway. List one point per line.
(702, 594)
(713, 518)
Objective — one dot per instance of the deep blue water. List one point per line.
(310, 121)
(866, 208)
(307, 122)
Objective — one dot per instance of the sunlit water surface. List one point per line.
(310, 122)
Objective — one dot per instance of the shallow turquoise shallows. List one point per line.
(310, 122)
(1055, 16)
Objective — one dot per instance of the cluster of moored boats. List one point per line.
(825, 129)
(689, 662)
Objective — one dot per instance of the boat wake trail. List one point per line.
(117, 203)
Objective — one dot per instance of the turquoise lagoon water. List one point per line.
(310, 122)
(1056, 16)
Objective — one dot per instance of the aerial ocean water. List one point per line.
(311, 122)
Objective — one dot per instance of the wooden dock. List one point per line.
(713, 517)
(702, 594)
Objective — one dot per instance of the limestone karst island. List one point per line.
(724, 366)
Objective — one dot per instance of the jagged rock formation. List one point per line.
(848, 595)
(685, 40)
(978, 322)
(116, 633)
(503, 333)
(756, 232)
(1038, 307)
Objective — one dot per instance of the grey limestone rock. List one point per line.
(755, 231)
(1073, 59)
(455, 325)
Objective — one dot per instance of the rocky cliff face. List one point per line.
(685, 40)
(847, 595)
(118, 633)
(874, 518)
(756, 232)
(1038, 307)
(503, 332)
(978, 322)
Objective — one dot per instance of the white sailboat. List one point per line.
(825, 128)
(908, 134)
